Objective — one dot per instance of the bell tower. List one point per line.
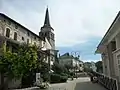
(47, 31)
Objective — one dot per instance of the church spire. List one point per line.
(47, 21)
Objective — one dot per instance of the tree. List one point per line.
(99, 66)
(58, 68)
(18, 65)
(87, 66)
(68, 66)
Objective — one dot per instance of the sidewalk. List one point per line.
(69, 85)
(77, 84)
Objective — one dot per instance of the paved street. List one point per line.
(78, 84)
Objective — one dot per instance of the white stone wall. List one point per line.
(117, 39)
(1, 28)
(21, 32)
(31, 88)
(14, 83)
(65, 61)
(116, 56)
(72, 62)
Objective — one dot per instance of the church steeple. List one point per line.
(47, 31)
(47, 21)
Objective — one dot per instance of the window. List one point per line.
(27, 41)
(8, 32)
(23, 38)
(35, 37)
(15, 36)
(80, 65)
(28, 33)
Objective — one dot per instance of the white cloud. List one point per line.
(74, 21)
(92, 60)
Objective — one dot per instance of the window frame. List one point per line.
(7, 34)
(15, 36)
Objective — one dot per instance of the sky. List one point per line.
(79, 25)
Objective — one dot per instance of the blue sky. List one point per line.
(79, 24)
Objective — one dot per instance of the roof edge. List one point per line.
(109, 29)
(4, 15)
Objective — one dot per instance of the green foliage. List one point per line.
(68, 67)
(99, 66)
(20, 63)
(57, 78)
(60, 73)
(58, 68)
(44, 70)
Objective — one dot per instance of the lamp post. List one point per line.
(76, 55)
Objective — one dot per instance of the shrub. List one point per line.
(64, 74)
(71, 73)
(63, 78)
(57, 78)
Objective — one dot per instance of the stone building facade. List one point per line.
(13, 33)
(109, 48)
(67, 59)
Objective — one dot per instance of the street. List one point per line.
(77, 84)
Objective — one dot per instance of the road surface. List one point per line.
(77, 84)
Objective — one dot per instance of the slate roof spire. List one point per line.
(47, 21)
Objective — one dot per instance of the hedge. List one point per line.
(56, 78)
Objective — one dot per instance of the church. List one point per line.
(13, 33)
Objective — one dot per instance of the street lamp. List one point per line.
(76, 55)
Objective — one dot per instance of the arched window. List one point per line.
(23, 38)
(7, 32)
(15, 36)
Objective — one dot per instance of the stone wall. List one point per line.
(20, 30)
(32, 88)
(14, 83)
